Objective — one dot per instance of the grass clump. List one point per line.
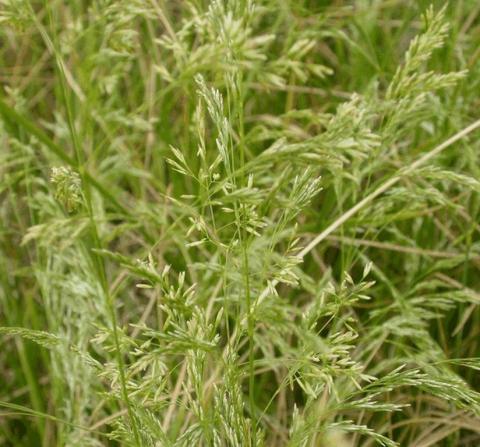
(239, 223)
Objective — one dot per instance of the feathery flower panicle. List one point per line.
(68, 187)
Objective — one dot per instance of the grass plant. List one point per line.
(239, 223)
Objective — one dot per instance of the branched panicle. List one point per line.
(67, 186)
(421, 48)
(260, 228)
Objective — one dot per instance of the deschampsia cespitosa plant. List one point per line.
(239, 223)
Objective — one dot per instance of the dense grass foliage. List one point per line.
(239, 223)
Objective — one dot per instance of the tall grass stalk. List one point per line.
(239, 223)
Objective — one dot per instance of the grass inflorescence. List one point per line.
(239, 223)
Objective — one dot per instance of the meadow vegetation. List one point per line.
(239, 223)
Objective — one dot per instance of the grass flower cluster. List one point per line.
(239, 223)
